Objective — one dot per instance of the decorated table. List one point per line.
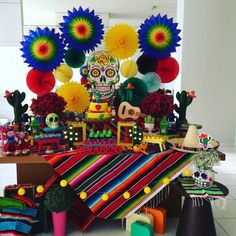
(114, 175)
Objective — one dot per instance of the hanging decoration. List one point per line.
(76, 96)
(159, 36)
(167, 69)
(121, 41)
(129, 68)
(43, 49)
(63, 73)
(152, 81)
(146, 64)
(40, 82)
(74, 59)
(82, 29)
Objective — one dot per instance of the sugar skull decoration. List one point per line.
(103, 73)
(52, 121)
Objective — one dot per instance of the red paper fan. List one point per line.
(40, 82)
(167, 69)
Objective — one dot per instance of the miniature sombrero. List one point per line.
(191, 143)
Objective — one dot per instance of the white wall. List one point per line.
(209, 65)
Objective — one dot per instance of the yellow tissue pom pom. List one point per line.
(40, 189)
(129, 68)
(63, 183)
(63, 73)
(187, 172)
(105, 197)
(21, 191)
(83, 195)
(126, 195)
(147, 190)
(121, 41)
(166, 181)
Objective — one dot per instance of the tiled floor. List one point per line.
(225, 219)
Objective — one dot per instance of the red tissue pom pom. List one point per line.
(167, 69)
(40, 82)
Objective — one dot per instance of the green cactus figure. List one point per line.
(149, 120)
(184, 101)
(15, 99)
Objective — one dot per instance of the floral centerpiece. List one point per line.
(204, 162)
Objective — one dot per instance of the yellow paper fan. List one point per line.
(121, 41)
(76, 96)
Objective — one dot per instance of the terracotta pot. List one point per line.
(59, 223)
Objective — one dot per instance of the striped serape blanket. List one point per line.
(115, 174)
(193, 190)
(16, 222)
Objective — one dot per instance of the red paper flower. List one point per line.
(48, 103)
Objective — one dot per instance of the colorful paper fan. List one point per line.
(121, 41)
(167, 69)
(82, 29)
(159, 36)
(76, 96)
(129, 68)
(152, 81)
(43, 49)
(146, 64)
(74, 59)
(138, 93)
(40, 82)
(84, 71)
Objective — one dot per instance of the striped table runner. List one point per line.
(115, 174)
(193, 190)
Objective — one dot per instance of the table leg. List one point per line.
(196, 220)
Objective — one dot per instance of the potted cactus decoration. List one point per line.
(149, 123)
(58, 200)
(15, 99)
(185, 99)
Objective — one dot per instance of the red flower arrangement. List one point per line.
(48, 103)
(157, 104)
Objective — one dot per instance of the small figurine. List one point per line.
(204, 141)
(53, 124)
(23, 143)
(9, 146)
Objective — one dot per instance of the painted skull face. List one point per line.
(52, 121)
(103, 73)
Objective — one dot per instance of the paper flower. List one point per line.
(82, 29)
(159, 36)
(74, 59)
(40, 82)
(167, 69)
(43, 49)
(121, 41)
(152, 81)
(76, 96)
(146, 64)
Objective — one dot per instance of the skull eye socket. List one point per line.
(110, 72)
(56, 119)
(51, 119)
(95, 72)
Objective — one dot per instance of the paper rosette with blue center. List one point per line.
(159, 36)
(82, 29)
(43, 49)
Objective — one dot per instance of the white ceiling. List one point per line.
(45, 12)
